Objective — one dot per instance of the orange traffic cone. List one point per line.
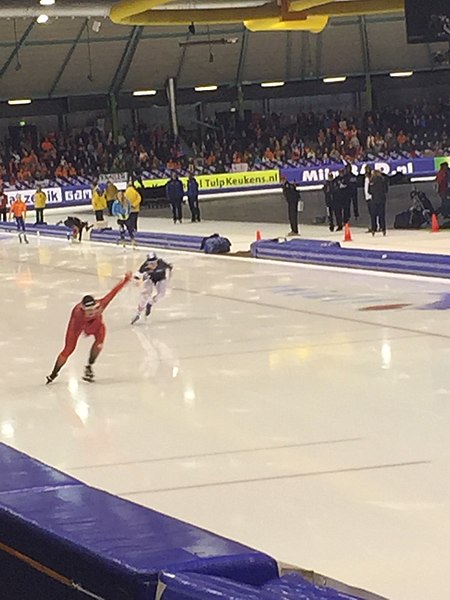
(434, 224)
(347, 233)
(258, 235)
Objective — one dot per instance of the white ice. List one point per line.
(258, 401)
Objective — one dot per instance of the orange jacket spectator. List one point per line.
(18, 207)
(61, 171)
(46, 145)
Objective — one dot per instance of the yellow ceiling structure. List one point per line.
(275, 15)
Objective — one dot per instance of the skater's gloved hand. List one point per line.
(128, 275)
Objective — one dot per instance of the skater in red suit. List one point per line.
(87, 318)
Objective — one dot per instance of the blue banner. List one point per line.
(77, 195)
(317, 175)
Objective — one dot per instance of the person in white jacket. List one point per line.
(367, 194)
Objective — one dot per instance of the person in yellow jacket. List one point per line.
(99, 201)
(135, 199)
(111, 196)
(40, 200)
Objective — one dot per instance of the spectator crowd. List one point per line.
(259, 142)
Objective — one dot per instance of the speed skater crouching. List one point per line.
(87, 319)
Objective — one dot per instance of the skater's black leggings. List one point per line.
(4, 214)
(20, 224)
(125, 225)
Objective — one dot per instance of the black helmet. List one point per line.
(88, 301)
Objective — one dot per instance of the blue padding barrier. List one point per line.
(170, 241)
(322, 253)
(60, 231)
(192, 586)
(19, 472)
(107, 545)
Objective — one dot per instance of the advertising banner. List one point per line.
(54, 196)
(227, 181)
(114, 178)
(77, 195)
(318, 175)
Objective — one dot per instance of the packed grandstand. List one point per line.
(257, 143)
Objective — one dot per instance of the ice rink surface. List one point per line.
(260, 400)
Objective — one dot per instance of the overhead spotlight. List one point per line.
(96, 26)
(42, 19)
(19, 102)
(145, 93)
(192, 29)
(334, 79)
(206, 88)
(272, 84)
(401, 74)
(46, 2)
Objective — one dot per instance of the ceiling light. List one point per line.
(19, 102)
(206, 88)
(270, 84)
(334, 79)
(42, 19)
(145, 93)
(401, 74)
(46, 2)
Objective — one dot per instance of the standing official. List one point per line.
(192, 194)
(40, 200)
(378, 189)
(353, 190)
(175, 194)
(334, 210)
(292, 198)
(135, 199)
(3, 205)
(99, 201)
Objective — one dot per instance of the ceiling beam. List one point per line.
(126, 60)
(182, 59)
(67, 58)
(288, 54)
(319, 55)
(17, 47)
(242, 57)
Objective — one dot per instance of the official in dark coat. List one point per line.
(334, 210)
(192, 194)
(175, 194)
(378, 189)
(292, 198)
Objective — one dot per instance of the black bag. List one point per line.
(215, 244)
(403, 220)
